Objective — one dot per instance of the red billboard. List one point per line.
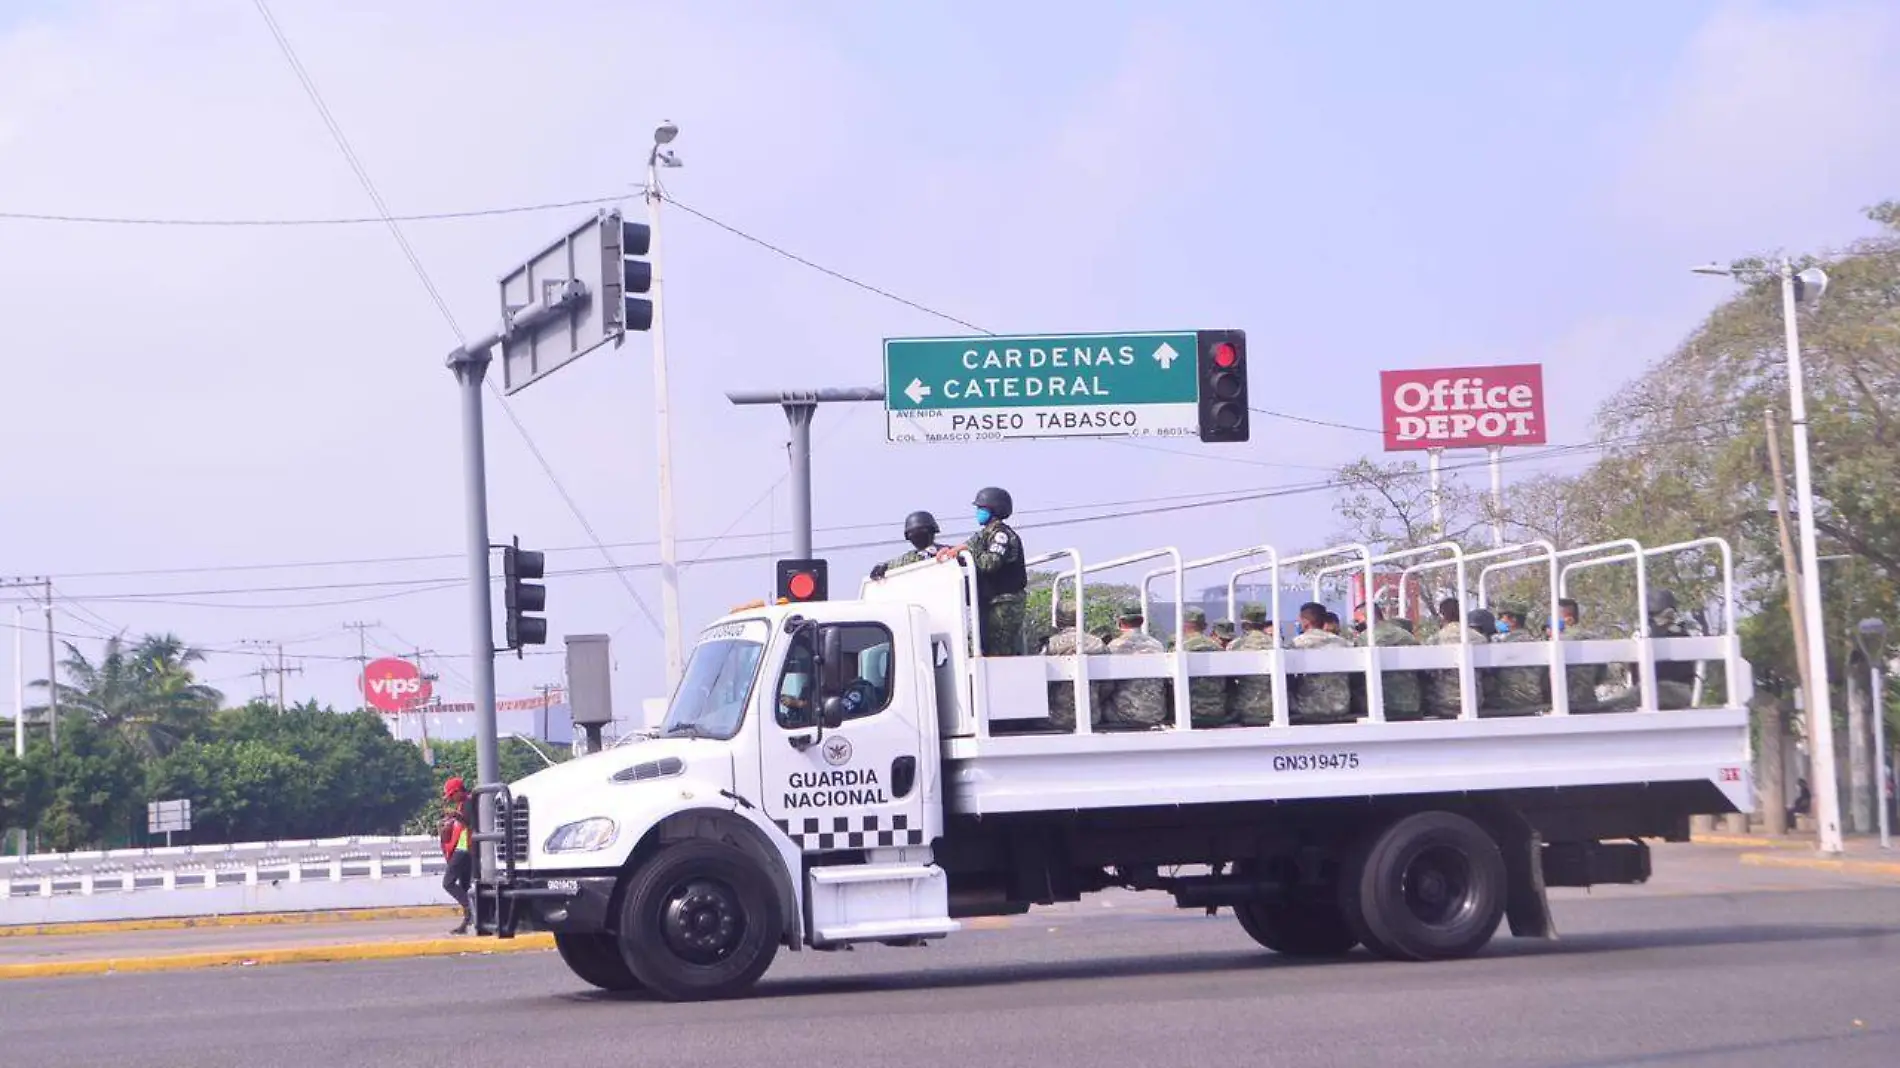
(1463, 407)
(393, 685)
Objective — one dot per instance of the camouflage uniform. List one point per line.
(914, 556)
(1675, 679)
(1517, 691)
(1321, 698)
(1400, 688)
(1062, 694)
(1581, 680)
(1223, 632)
(1439, 699)
(1134, 704)
(997, 551)
(1250, 702)
(1207, 694)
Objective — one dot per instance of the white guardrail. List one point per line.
(215, 880)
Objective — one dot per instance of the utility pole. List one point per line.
(280, 671)
(45, 585)
(800, 407)
(661, 156)
(362, 652)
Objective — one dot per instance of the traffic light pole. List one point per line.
(800, 408)
(470, 365)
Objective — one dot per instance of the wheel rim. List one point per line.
(703, 921)
(1440, 887)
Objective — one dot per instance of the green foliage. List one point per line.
(517, 758)
(137, 726)
(1102, 602)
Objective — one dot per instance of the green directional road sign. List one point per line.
(1042, 386)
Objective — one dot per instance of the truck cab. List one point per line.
(831, 773)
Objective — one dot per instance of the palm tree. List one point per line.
(146, 693)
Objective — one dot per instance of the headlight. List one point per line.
(582, 837)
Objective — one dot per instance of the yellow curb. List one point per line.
(1753, 841)
(1844, 866)
(258, 919)
(436, 947)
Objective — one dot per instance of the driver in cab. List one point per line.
(798, 693)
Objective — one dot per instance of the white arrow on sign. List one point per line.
(1165, 355)
(916, 391)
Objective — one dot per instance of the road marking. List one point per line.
(1844, 866)
(248, 919)
(436, 947)
(1751, 841)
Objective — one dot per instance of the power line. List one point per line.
(1133, 509)
(356, 220)
(428, 284)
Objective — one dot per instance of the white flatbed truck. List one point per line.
(682, 860)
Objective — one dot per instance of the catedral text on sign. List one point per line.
(1463, 407)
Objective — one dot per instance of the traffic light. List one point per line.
(1222, 362)
(636, 275)
(521, 597)
(802, 580)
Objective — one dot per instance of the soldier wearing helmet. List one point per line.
(1002, 577)
(920, 529)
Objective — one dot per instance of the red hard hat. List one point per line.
(452, 787)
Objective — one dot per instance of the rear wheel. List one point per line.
(1429, 887)
(1298, 929)
(596, 959)
(699, 921)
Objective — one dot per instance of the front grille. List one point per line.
(518, 841)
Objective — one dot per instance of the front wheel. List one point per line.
(596, 959)
(699, 921)
(1429, 887)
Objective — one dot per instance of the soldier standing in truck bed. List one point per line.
(1002, 577)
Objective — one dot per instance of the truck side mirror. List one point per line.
(831, 678)
(831, 713)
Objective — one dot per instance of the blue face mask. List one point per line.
(982, 517)
(1504, 626)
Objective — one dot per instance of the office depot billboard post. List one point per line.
(1463, 407)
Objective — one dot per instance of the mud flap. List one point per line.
(1527, 905)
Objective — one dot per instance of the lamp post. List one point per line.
(1807, 286)
(661, 156)
(1871, 635)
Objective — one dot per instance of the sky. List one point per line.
(246, 435)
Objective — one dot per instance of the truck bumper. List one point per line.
(570, 905)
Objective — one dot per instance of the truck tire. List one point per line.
(699, 921)
(1429, 887)
(1298, 929)
(596, 959)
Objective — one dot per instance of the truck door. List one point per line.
(860, 782)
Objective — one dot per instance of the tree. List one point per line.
(1102, 602)
(145, 694)
(1388, 507)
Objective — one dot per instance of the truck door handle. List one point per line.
(903, 775)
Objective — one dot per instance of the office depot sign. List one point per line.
(1463, 407)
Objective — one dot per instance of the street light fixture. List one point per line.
(1796, 288)
(1871, 636)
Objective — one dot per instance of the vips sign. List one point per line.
(393, 685)
(1463, 407)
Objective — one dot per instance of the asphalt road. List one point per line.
(1713, 964)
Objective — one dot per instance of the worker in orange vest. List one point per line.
(457, 819)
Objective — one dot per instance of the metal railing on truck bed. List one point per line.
(1472, 660)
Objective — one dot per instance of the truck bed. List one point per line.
(989, 774)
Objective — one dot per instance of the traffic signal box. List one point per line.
(522, 597)
(1222, 363)
(802, 580)
(636, 274)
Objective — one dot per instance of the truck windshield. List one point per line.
(717, 682)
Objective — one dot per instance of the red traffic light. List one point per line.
(1225, 355)
(803, 580)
